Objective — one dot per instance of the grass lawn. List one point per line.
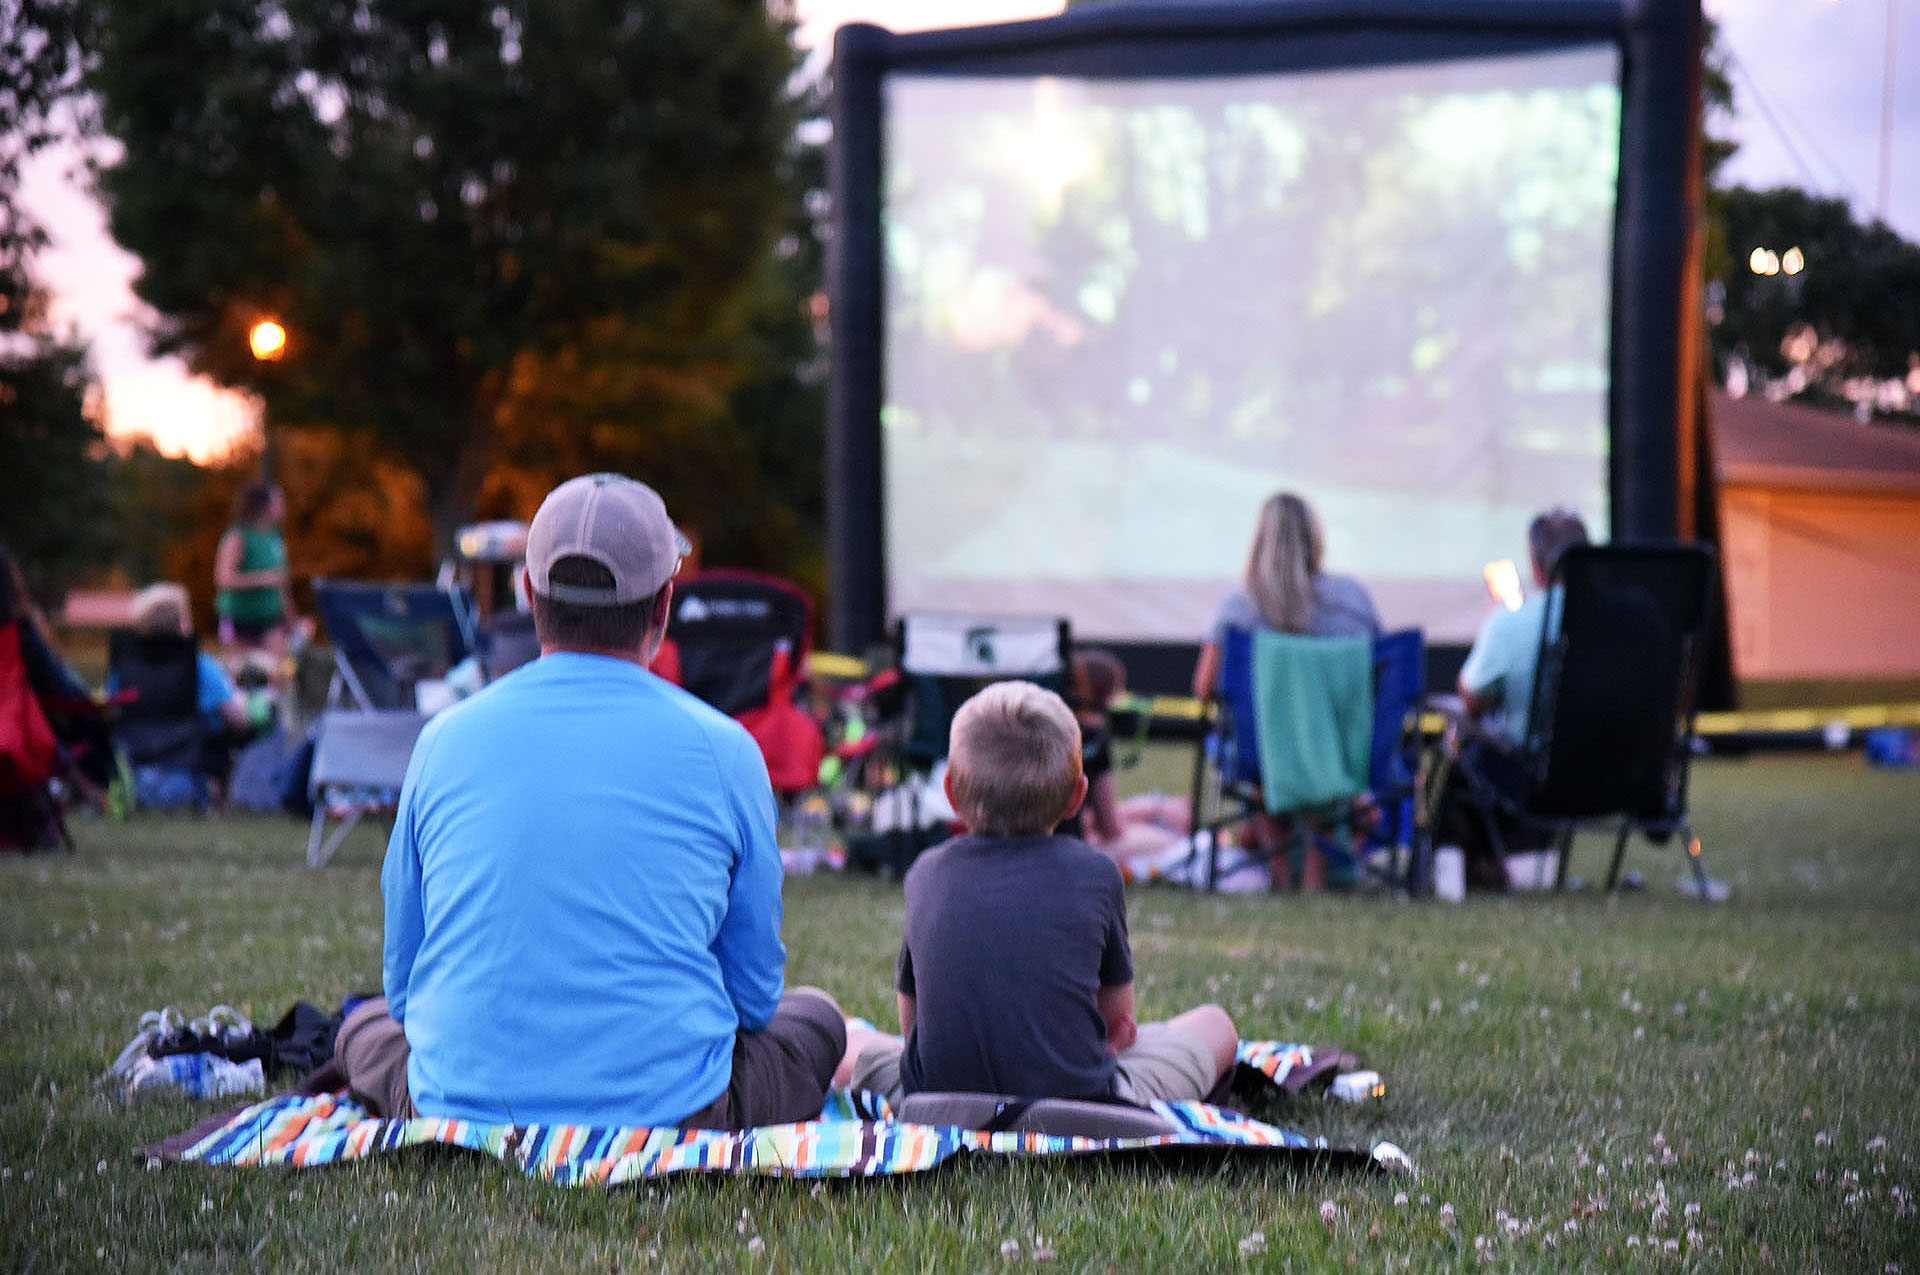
(1583, 1083)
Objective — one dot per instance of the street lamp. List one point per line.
(268, 341)
(1766, 261)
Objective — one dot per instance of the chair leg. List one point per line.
(1619, 853)
(1565, 849)
(1692, 844)
(339, 834)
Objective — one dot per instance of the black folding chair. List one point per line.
(1610, 726)
(157, 708)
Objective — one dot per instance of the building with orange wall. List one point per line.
(1820, 539)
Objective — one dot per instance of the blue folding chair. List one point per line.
(387, 638)
(1379, 749)
(1399, 694)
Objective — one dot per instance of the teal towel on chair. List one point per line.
(1313, 700)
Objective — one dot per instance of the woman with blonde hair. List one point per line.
(1286, 590)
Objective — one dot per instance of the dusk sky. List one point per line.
(1808, 79)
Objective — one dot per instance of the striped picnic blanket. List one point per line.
(855, 1136)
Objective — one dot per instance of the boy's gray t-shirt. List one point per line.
(1006, 946)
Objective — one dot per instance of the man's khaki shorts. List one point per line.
(1164, 1063)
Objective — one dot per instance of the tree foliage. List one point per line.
(1850, 312)
(506, 239)
(55, 512)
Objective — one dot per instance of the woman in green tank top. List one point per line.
(250, 572)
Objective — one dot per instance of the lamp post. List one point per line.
(268, 341)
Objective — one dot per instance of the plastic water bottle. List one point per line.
(1357, 1086)
(197, 1076)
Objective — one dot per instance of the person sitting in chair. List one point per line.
(1045, 1009)
(1286, 591)
(163, 612)
(1496, 690)
(582, 888)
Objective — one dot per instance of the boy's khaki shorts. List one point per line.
(1164, 1064)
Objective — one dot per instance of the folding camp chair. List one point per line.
(387, 639)
(742, 640)
(941, 660)
(1290, 733)
(1610, 726)
(1393, 766)
(359, 762)
(158, 723)
(30, 756)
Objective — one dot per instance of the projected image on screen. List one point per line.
(1120, 313)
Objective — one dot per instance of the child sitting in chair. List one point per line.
(1014, 975)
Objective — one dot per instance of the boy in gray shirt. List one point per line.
(1014, 974)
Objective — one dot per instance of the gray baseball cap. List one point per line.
(617, 522)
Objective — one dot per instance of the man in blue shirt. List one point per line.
(583, 889)
(1496, 689)
(1497, 679)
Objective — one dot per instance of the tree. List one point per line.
(1846, 308)
(55, 512)
(489, 229)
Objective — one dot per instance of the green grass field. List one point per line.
(1583, 1083)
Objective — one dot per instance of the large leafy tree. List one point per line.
(55, 513)
(498, 234)
(1845, 307)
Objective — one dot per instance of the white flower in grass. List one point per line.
(756, 1246)
(100, 1167)
(1822, 1139)
(1690, 1209)
(1446, 1215)
(1041, 1251)
(1633, 1241)
(1483, 1249)
(1010, 1250)
(1253, 1245)
(1848, 1178)
(1329, 1211)
(206, 1205)
(1399, 1199)
(1670, 1246)
(1878, 1145)
(1571, 1225)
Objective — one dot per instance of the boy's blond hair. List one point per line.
(1013, 760)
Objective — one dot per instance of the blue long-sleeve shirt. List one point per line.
(582, 900)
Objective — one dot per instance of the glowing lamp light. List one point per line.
(1764, 261)
(267, 340)
(1793, 261)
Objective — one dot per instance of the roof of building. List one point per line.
(97, 609)
(1762, 443)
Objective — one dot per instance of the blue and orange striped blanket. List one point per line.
(855, 1136)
